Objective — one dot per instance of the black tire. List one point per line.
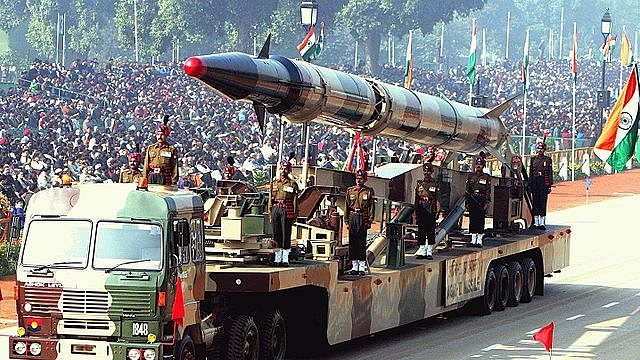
(529, 279)
(186, 349)
(515, 283)
(273, 336)
(487, 302)
(243, 341)
(502, 287)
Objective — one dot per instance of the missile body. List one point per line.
(304, 92)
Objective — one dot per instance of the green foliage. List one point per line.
(9, 251)
(41, 30)
(260, 178)
(12, 12)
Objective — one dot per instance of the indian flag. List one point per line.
(617, 142)
(408, 72)
(626, 54)
(306, 47)
(471, 65)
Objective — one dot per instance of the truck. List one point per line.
(119, 271)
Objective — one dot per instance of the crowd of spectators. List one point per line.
(87, 117)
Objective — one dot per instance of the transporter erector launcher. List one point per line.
(303, 92)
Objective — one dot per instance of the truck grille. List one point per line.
(112, 302)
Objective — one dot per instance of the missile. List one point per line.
(303, 92)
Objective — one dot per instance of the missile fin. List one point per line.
(261, 114)
(264, 52)
(498, 110)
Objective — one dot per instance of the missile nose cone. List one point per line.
(195, 67)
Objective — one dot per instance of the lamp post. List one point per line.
(308, 18)
(603, 94)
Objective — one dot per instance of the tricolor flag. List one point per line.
(607, 48)
(545, 336)
(471, 65)
(616, 144)
(525, 63)
(408, 72)
(177, 311)
(320, 42)
(306, 47)
(626, 53)
(574, 54)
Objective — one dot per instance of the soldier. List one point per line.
(478, 192)
(228, 172)
(133, 173)
(429, 155)
(426, 210)
(161, 159)
(541, 179)
(283, 204)
(358, 218)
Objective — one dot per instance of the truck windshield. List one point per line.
(127, 245)
(57, 243)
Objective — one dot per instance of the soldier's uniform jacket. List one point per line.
(130, 176)
(360, 202)
(427, 194)
(162, 158)
(541, 166)
(479, 185)
(284, 193)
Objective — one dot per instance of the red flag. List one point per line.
(545, 336)
(177, 311)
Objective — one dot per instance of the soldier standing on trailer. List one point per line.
(283, 204)
(541, 179)
(426, 210)
(161, 159)
(358, 218)
(478, 192)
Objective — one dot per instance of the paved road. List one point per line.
(594, 304)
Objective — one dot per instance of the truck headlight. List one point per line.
(149, 354)
(20, 347)
(35, 348)
(133, 354)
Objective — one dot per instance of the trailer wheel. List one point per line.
(243, 339)
(273, 336)
(487, 302)
(515, 283)
(186, 350)
(502, 287)
(530, 276)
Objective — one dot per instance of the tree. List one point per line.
(132, 14)
(12, 13)
(41, 28)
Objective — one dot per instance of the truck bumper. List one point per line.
(76, 349)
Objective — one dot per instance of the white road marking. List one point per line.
(610, 304)
(575, 317)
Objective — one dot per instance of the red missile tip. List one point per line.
(194, 66)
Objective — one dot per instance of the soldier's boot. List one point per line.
(285, 257)
(278, 257)
(543, 219)
(430, 252)
(474, 238)
(354, 267)
(479, 240)
(362, 267)
(422, 252)
(536, 222)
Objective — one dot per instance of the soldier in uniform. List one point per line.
(283, 205)
(358, 218)
(228, 172)
(541, 179)
(133, 173)
(426, 210)
(478, 192)
(161, 159)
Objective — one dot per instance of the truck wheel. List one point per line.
(273, 336)
(186, 350)
(530, 276)
(515, 283)
(243, 339)
(502, 287)
(487, 302)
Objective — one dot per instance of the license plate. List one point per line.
(140, 329)
(83, 349)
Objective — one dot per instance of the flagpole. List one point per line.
(355, 58)
(441, 45)
(561, 31)
(525, 75)
(484, 47)
(506, 52)
(574, 57)
(524, 122)
(621, 64)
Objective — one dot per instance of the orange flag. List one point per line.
(545, 336)
(177, 311)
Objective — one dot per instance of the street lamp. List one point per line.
(308, 13)
(603, 94)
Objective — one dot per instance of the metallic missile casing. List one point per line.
(304, 92)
